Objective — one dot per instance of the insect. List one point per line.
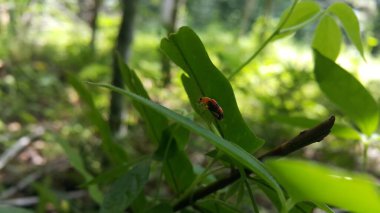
(212, 106)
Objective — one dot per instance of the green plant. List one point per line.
(305, 186)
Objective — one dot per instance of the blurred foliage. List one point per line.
(277, 94)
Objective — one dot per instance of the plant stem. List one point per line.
(263, 45)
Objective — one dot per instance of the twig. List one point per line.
(21, 143)
(57, 166)
(32, 200)
(303, 139)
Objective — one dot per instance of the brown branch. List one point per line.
(303, 139)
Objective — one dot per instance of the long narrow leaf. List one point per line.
(112, 150)
(155, 122)
(232, 150)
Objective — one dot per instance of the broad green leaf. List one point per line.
(347, 93)
(8, 209)
(306, 181)
(232, 150)
(109, 175)
(178, 171)
(126, 189)
(350, 23)
(155, 122)
(213, 205)
(76, 161)
(204, 79)
(327, 37)
(112, 150)
(338, 130)
(303, 13)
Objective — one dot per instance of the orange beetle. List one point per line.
(212, 106)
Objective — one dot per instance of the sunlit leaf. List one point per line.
(347, 93)
(204, 79)
(112, 150)
(303, 13)
(327, 37)
(126, 189)
(350, 23)
(338, 130)
(232, 150)
(306, 181)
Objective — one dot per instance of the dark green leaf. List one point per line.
(327, 37)
(347, 93)
(204, 79)
(350, 23)
(232, 150)
(11, 209)
(307, 181)
(76, 161)
(178, 171)
(113, 150)
(126, 189)
(109, 175)
(213, 205)
(155, 122)
(161, 208)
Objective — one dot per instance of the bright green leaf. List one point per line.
(126, 189)
(350, 23)
(327, 37)
(307, 181)
(303, 13)
(347, 93)
(338, 130)
(232, 150)
(204, 79)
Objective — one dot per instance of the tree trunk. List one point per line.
(93, 23)
(169, 13)
(122, 46)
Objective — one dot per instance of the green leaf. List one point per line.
(350, 23)
(338, 130)
(327, 37)
(232, 150)
(76, 161)
(178, 171)
(307, 181)
(155, 122)
(126, 189)
(213, 205)
(303, 13)
(204, 79)
(347, 93)
(161, 208)
(112, 150)
(109, 175)
(8, 209)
